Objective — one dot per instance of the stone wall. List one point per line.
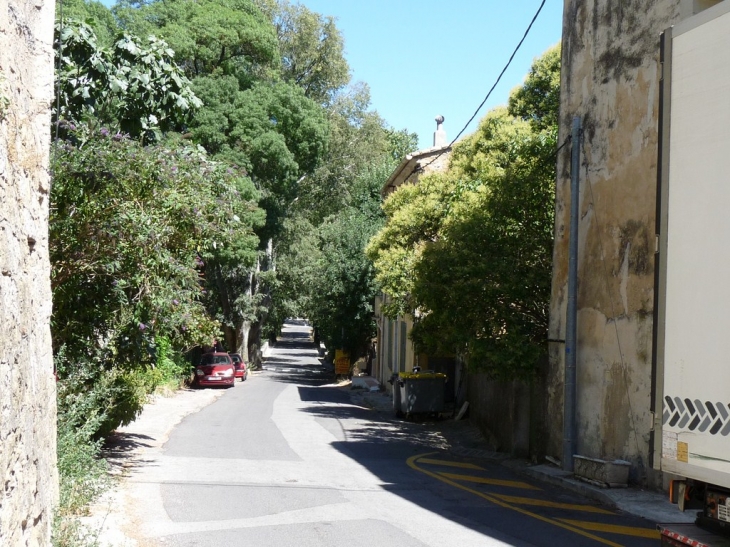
(610, 79)
(27, 388)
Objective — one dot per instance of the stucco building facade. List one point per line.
(394, 349)
(610, 79)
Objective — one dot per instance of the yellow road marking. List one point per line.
(446, 463)
(544, 503)
(485, 480)
(412, 464)
(614, 529)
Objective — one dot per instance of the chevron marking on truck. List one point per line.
(696, 415)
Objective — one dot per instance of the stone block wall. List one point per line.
(27, 388)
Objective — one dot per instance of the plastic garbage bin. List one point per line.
(422, 392)
(397, 407)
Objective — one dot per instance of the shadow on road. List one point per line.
(120, 450)
(294, 341)
(379, 442)
(384, 444)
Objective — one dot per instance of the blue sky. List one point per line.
(423, 58)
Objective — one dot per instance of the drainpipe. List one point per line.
(569, 408)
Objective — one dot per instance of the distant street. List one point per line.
(286, 459)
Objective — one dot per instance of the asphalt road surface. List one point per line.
(286, 459)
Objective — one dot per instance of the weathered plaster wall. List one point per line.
(610, 78)
(27, 388)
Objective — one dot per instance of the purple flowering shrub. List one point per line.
(129, 229)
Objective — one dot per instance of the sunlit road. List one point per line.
(285, 459)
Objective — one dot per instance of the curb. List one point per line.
(650, 505)
(647, 504)
(573, 485)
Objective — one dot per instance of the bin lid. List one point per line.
(423, 375)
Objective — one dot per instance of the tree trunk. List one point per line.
(242, 334)
(254, 344)
(229, 335)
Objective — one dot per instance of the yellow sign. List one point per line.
(342, 362)
(682, 452)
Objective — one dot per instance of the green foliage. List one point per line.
(93, 13)
(277, 134)
(170, 371)
(133, 89)
(415, 215)
(323, 273)
(344, 286)
(321, 269)
(272, 130)
(359, 140)
(283, 134)
(537, 100)
(208, 36)
(468, 252)
(257, 115)
(298, 257)
(82, 473)
(126, 229)
(4, 100)
(494, 253)
(312, 49)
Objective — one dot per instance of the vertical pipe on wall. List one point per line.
(569, 405)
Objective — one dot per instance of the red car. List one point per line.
(241, 366)
(215, 369)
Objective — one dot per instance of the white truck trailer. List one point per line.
(691, 372)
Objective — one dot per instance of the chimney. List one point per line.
(439, 136)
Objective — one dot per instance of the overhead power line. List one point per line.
(509, 62)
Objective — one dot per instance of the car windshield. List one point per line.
(215, 360)
(236, 358)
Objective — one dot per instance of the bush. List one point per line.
(82, 472)
(171, 369)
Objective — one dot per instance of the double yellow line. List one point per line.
(576, 526)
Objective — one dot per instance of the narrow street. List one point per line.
(286, 459)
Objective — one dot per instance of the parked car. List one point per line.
(241, 366)
(215, 369)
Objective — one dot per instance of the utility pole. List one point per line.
(569, 396)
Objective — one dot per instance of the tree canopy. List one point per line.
(232, 36)
(128, 227)
(468, 252)
(312, 49)
(134, 88)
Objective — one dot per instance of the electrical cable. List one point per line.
(565, 143)
(509, 62)
(489, 93)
